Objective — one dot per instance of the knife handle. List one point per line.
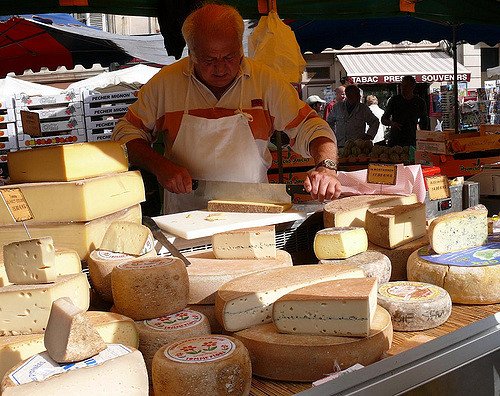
(194, 184)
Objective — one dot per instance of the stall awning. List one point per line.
(388, 68)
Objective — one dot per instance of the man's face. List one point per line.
(217, 60)
(407, 88)
(353, 96)
(340, 94)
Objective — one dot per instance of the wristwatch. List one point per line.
(328, 164)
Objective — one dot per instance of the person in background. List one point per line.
(339, 97)
(349, 118)
(404, 111)
(372, 103)
(316, 103)
(217, 110)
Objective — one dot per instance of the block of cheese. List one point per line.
(374, 264)
(147, 288)
(340, 242)
(113, 328)
(77, 200)
(457, 231)
(247, 207)
(466, 285)
(343, 307)
(205, 365)
(306, 358)
(80, 236)
(351, 211)
(66, 162)
(69, 336)
(67, 262)
(248, 300)
(25, 309)
(127, 237)
(30, 261)
(101, 263)
(118, 370)
(399, 256)
(390, 227)
(207, 274)
(155, 333)
(407, 344)
(415, 306)
(249, 243)
(209, 311)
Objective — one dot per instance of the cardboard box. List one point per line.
(452, 167)
(291, 159)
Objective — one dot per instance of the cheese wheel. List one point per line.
(155, 333)
(147, 288)
(209, 365)
(306, 358)
(466, 285)
(340, 242)
(374, 264)
(101, 263)
(415, 306)
(207, 273)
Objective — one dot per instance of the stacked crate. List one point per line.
(8, 141)
(61, 119)
(103, 110)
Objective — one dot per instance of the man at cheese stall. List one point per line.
(217, 110)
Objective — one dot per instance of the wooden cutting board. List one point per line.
(201, 223)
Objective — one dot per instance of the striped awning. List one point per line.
(388, 68)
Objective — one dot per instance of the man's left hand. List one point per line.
(322, 184)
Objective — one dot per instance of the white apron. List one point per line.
(222, 149)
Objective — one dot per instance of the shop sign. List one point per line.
(420, 78)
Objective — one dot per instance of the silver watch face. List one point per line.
(330, 164)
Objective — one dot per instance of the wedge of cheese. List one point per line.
(249, 243)
(77, 200)
(457, 231)
(390, 227)
(351, 211)
(247, 207)
(66, 162)
(343, 307)
(248, 300)
(340, 242)
(127, 237)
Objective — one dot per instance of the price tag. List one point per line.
(16, 203)
(438, 187)
(31, 123)
(382, 174)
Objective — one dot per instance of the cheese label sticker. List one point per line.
(179, 320)
(382, 174)
(41, 366)
(479, 256)
(154, 262)
(16, 203)
(108, 255)
(406, 291)
(438, 187)
(200, 349)
(149, 245)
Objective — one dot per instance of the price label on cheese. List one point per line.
(438, 187)
(382, 174)
(31, 123)
(16, 203)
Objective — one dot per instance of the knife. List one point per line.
(160, 237)
(246, 192)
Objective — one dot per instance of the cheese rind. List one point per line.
(390, 227)
(66, 162)
(207, 274)
(25, 309)
(127, 237)
(147, 288)
(249, 243)
(31, 261)
(246, 207)
(70, 337)
(343, 307)
(340, 242)
(248, 300)
(457, 231)
(374, 264)
(77, 200)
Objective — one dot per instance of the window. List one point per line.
(489, 58)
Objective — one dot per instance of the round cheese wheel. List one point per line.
(466, 285)
(101, 263)
(207, 273)
(147, 288)
(296, 357)
(206, 365)
(414, 305)
(154, 333)
(374, 264)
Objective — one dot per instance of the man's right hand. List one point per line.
(396, 125)
(174, 178)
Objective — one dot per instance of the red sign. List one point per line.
(420, 78)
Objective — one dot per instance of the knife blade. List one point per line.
(160, 237)
(244, 192)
